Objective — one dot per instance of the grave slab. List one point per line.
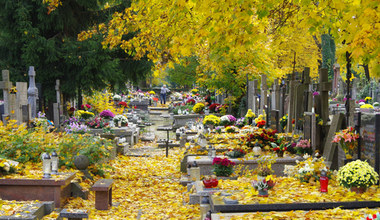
(205, 163)
(37, 189)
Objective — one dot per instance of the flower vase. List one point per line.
(280, 153)
(358, 189)
(263, 193)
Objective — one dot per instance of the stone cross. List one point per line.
(32, 92)
(5, 85)
(252, 97)
(263, 98)
(22, 108)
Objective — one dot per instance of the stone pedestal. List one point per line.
(180, 120)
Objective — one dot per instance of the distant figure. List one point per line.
(164, 90)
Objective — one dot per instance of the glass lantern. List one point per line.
(46, 166)
(54, 163)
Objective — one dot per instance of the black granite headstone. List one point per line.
(370, 144)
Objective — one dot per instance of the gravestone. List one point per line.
(57, 107)
(275, 104)
(310, 129)
(282, 99)
(370, 139)
(22, 109)
(5, 85)
(263, 96)
(32, 92)
(335, 83)
(324, 87)
(290, 107)
(329, 147)
(252, 97)
(354, 90)
(275, 120)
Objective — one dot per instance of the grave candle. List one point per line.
(195, 172)
(324, 181)
(46, 166)
(54, 163)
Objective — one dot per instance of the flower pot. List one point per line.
(263, 193)
(358, 189)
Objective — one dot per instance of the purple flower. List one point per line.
(361, 100)
(231, 118)
(315, 93)
(106, 114)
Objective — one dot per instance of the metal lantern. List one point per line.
(46, 165)
(54, 163)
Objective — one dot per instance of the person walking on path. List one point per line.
(164, 90)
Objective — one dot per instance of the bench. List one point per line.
(103, 193)
(73, 214)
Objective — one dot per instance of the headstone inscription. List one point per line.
(370, 135)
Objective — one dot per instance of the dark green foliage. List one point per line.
(29, 36)
(184, 75)
(328, 53)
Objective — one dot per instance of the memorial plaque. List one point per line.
(370, 144)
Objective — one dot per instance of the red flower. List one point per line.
(216, 160)
(293, 121)
(88, 106)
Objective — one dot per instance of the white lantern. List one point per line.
(46, 166)
(54, 163)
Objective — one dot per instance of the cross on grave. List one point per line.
(22, 108)
(5, 85)
(324, 87)
(263, 97)
(32, 92)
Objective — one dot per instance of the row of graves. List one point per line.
(34, 193)
(290, 152)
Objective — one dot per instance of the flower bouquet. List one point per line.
(107, 114)
(309, 170)
(264, 165)
(122, 119)
(260, 123)
(213, 107)
(236, 153)
(211, 120)
(84, 114)
(190, 102)
(280, 146)
(264, 185)
(227, 120)
(194, 91)
(250, 115)
(284, 121)
(198, 108)
(98, 122)
(76, 128)
(241, 122)
(222, 167)
(123, 104)
(357, 174)
(347, 139)
(6, 167)
(303, 147)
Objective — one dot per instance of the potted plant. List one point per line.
(280, 146)
(236, 153)
(357, 175)
(231, 129)
(309, 170)
(264, 167)
(211, 120)
(222, 167)
(198, 108)
(107, 114)
(263, 186)
(347, 139)
(227, 120)
(120, 119)
(250, 115)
